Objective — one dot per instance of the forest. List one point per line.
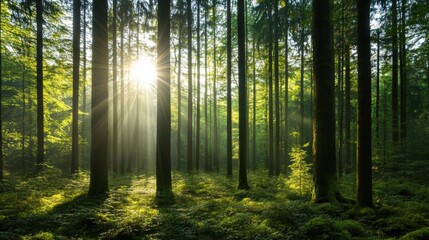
(214, 119)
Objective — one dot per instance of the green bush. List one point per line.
(420, 234)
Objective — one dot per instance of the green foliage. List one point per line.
(300, 177)
(419, 234)
(323, 228)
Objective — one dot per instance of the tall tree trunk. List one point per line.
(190, 100)
(40, 111)
(286, 100)
(228, 94)
(340, 112)
(403, 71)
(254, 164)
(83, 130)
(99, 98)
(122, 125)
(325, 187)
(206, 118)
(364, 165)
(347, 116)
(270, 95)
(76, 68)
(179, 90)
(215, 124)
(395, 129)
(242, 98)
(129, 93)
(115, 88)
(1, 96)
(301, 91)
(163, 126)
(198, 120)
(276, 89)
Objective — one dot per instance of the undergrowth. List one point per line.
(206, 206)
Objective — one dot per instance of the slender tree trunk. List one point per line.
(325, 187)
(270, 96)
(83, 130)
(340, 114)
(198, 120)
(254, 165)
(99, 110)
(301, 91)
(403, 71)
(206, 119)
(179, 90)
(190, 100)
(129, 93)
(215, 123)
(40, 111)
(395, 129)
(1, 95)
(122, 121)
(364, 165)
(286, 101)
(115, 88)
(76, 68)
(228, 94)
(377, 94)
(163, 138)
(347, 104)
(242, 98)
(276, 89)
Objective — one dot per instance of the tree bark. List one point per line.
(115, 88)
(364, 164)
(163, 148)
(242, 98)
(325, 187)
(198, 120)
(99, 98)
(40, 110)
(270, 95)
(189, 130)
(395, 129)
(276, 89)
(228, 94)
(76, 68)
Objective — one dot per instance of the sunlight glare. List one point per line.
(143, 72)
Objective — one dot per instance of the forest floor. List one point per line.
(209, 206)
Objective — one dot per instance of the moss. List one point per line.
(420, 234)
(352, 227)
(323, 228)
(400, 225)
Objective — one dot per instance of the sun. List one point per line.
(143, 72)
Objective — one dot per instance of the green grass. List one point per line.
(206, 206)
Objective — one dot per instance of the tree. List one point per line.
(395, 129)
(197, 137)
(228, 94)
(403, 74)
(179, 88)
(76, 68)
(286, 100)
(325, 187)
(242, 95)
(190, 100)
(122, 120)
(206, 92)
(364, 166)
(1, 98)
(270, 94)
(115, 87)
(276, 89)
(40, 112)
(215, 123)
(163, 127)
(99, 97)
